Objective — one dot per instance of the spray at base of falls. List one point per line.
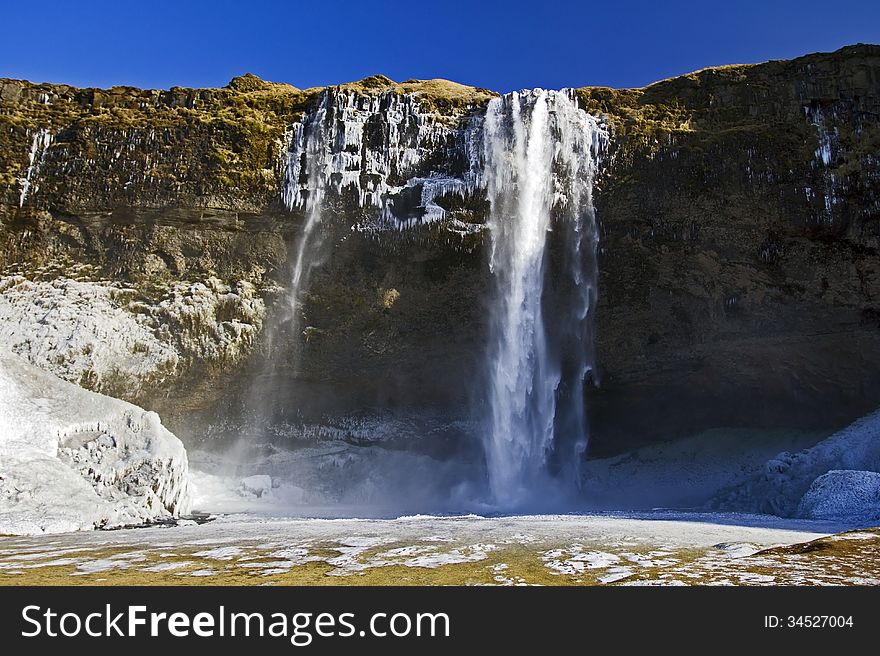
(540, 157)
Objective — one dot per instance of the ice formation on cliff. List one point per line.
(823, 158)
(373, 146)
(97, 334)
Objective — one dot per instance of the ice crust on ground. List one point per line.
(660, 548)
(72, 460)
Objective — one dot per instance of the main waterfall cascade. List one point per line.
(535, 155)
(540, 158)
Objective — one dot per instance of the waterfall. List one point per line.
(36, 155)
(535, 155)
(307, 159)
(304, 188)
(540, 155)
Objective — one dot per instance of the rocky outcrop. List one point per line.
(112, 338)
(738, 274)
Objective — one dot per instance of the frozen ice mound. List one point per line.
(788, 481)
(842, 494)
(71, 459)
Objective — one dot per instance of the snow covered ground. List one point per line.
(73, 460)
(640, 549)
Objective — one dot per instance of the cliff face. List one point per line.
(740, 245)
(740, 217)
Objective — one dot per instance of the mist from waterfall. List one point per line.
(540, 153)
(266, 398)
(304, 160)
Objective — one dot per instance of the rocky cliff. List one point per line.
(738, 274)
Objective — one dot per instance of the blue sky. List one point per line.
(500, 45)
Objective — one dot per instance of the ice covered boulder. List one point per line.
(843, 494)
(258, 485)
(71, 459)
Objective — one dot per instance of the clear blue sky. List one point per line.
(501, 45)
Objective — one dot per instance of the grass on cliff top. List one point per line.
(437, 94)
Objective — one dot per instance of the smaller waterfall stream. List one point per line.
(41, 142)
(309, 143)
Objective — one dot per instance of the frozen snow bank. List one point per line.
(686, 472)
(109, 338)
(71, 459)
(786, 478)
(843, 493)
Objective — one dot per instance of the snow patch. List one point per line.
(220, 553)
(574, 560)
